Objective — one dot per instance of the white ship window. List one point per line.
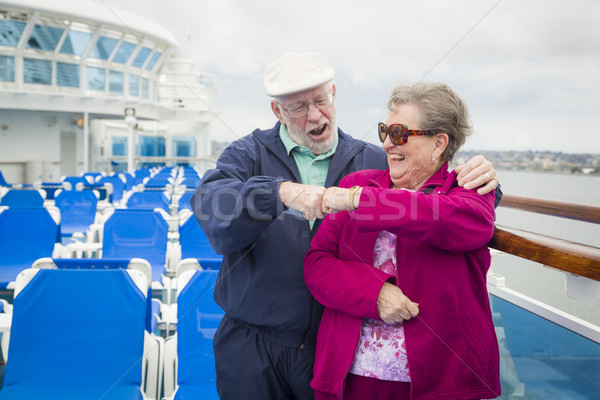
(103, 48)
(155, 56)
(184, 146)
(7, 69)
(134, 85)
(96, 78)
(124, 52)
(119, 145)
(37, 71)
(115, 82)
(151, 146)
(67, 75)
(145, 93)
(44, 37)
(75, 43)
(10, 32)
(141, 57)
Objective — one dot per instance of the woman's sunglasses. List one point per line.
(399, 133)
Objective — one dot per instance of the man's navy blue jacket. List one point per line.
(237, 204)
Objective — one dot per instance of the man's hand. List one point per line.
(477, 172)
(303, 198)
(393, 306)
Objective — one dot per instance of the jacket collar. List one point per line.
(384, 181)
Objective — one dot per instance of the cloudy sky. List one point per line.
(529, 70)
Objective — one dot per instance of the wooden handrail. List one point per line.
(562, 254)
(561, 209)
(576, 258)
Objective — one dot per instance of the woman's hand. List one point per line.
(304, 198)
(393, 306)
(337, 199)
(477, 172)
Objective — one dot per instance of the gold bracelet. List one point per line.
(351, 192)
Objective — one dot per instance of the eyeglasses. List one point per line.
(300, 108)
(399, 133)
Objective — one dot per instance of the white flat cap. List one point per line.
(296, 72)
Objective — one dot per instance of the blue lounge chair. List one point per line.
(77, 334)
(22, 198)
(25, 235)
(194, 244)
(78, 211)
(198, 317)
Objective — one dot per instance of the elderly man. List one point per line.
(260, 208)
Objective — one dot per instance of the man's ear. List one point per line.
(277, 111)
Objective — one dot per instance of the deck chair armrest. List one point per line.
(170, 367)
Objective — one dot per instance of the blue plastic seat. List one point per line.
(198, 317)
(101, 188)
(194, 244)
(50, 188)
(118, 187)
(77, 209)
(191, 182)
(3, 181)
(74, 180)
(26, 234)
(129, 180)
(152, 307)
(77, 334)
(137, 234)
(148, 200)
(184, 201)
(158, 182)
(140, 175)
(93, 176)
(22, 199)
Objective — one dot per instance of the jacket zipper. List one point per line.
(310, 314)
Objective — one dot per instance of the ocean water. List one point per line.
(542, 283)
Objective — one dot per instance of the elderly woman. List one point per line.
(402, 270)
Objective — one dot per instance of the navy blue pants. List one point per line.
(252, 366)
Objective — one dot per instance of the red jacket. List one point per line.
(442, 259)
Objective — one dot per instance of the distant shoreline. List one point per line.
(586, 164)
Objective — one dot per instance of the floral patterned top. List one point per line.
(381, 351)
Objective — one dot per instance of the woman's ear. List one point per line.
(441, 142)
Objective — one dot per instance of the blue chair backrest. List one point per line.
(148, 200)
(194, 244)
(140, 174)
(184, 201)
(76, 334)
(129, 180)
(191, 183)
(137, 233)
(111, 263)
(198, 317)
(157, 182)
(25, 235)
(93, 175)
(22, 199)
(3, 181)
(117, 184)
(50, 188)
(77, 210)
(99, 187)
(74, 180)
